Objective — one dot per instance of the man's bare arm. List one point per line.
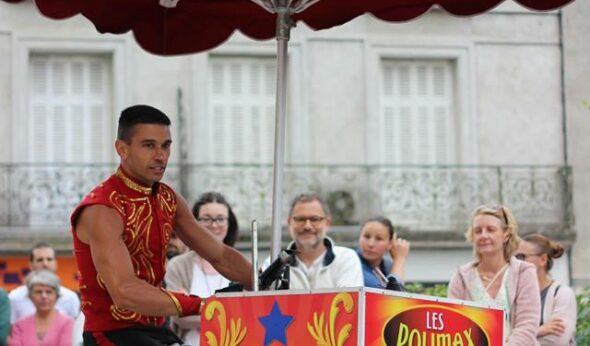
(101, 228)
(227, 260)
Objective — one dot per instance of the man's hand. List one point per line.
(554, 327)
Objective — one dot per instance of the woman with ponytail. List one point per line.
(557, 326)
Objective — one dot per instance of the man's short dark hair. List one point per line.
(42, 245)
(139, 114)
(307, 198)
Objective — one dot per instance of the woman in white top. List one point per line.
(557, 326)
(192, 274)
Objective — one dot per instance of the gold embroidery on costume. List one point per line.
(124, 315)
(142, 216)
(133, 185)
(167, 201)
(85, 304)
(100, 282)
(168, 205)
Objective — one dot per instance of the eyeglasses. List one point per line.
(314, 220)
(208, 221)
(523, 256)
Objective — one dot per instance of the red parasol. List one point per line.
(170, 27)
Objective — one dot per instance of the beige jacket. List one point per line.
(560, 302)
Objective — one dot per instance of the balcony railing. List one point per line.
(41, 197)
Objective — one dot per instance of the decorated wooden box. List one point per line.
(361, 316)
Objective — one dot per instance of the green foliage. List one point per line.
(438, 290)
(583, 324)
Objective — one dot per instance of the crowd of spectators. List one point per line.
(507, 271)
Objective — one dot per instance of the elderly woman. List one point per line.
(47, 327)
(497, 278)
(558, 301)
(192, 274)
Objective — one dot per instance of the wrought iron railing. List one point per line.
(420, 198)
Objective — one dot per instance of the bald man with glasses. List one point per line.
(318, 262)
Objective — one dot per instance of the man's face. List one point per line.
(308, 225)
(44, 258)
(146, 155)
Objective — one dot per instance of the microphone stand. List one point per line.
(254, 256)
(278, 272)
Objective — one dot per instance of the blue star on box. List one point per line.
(275, 325)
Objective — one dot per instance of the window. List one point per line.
(241, 109)
(70, 108)
(417, 111)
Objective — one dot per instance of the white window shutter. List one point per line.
(58, 124)
(241, 94)
(77, 132)
(239, 145)
(417, 99)
(39, 132)
(70, 107)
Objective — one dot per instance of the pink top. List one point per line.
(523, 295)
(59, 333)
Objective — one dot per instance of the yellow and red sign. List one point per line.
(348, 317)
(409, 321)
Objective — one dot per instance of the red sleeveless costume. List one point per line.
(148, 216)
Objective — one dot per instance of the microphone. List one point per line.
(277, 269)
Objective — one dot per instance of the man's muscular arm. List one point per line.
(227, 260)
(101, 228)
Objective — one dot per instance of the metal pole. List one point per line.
(284, 24)
(254, 256)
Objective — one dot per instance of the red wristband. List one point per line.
(186, 304)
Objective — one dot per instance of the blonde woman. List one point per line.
(497, 278)
(557, 326)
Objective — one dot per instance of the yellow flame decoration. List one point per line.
(232, 337)
(326, 336)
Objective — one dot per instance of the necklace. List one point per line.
(494, 278)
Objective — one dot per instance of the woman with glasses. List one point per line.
(192, 274)
(498, 278)
(558, 301)
(376, 240)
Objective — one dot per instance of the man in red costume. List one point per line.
(121, 231)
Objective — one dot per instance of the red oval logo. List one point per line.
(433, 326)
